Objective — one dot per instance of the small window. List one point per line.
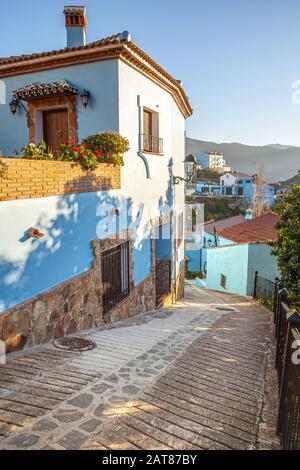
(151, 141)
(223, 281)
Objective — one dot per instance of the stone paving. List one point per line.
(191, 376)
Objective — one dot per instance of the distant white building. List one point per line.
(213, 160)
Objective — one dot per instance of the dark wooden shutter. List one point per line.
(147, 122)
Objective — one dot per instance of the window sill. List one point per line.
(147, 152)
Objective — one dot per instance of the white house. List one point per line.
(112, 238)
(213, 160)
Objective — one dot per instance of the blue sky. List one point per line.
(237, 58)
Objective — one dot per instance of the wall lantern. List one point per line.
(14, 105)
(189, 169)
(85, 96)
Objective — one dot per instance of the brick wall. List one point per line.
(24, 178)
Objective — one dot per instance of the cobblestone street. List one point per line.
(196, 375)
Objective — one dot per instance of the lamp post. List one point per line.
(189, 170)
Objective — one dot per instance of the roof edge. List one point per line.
(128, 51)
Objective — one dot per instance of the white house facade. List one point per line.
(125, 222)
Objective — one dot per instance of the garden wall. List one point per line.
(23, 179)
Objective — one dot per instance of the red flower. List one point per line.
(55, 152)
(76, 149)
(97, 154)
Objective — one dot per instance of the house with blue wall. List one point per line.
(241, 250)
(113, 222)
(236, 185)
(204, 236)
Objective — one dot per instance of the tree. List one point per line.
(259, 206)
(287, 245)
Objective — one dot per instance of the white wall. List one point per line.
(228, 180)
(155, 193)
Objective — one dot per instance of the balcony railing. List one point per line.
(152, 144)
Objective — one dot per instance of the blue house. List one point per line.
(236, 185)
(206, 236)
(105, 248)
(241, 250)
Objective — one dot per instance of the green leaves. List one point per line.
(111, 146)
(287, 245)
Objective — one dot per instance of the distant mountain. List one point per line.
(295, 179)
(281, 161)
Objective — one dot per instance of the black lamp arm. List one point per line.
(24, 107)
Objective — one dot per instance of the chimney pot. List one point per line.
(76, 25)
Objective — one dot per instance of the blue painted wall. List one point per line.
(248, 190)
(100, 78)
(29, 266)
(142, 260)
(239, 263)
(202, 159)
(163, 244)
(261, 260)
(232, 261)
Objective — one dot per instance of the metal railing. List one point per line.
(115, 275)
(152, 143)
(287, 362)
(287, 333)
(263, 288)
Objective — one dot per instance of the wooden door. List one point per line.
(55, 127)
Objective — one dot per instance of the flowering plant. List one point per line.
(37, 152)
(104, 147)
(111, 146)
(70, 151)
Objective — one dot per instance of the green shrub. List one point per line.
(104, 147)
(190, 275)
(286, 246)
(111, 146)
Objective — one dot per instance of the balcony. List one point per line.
(152, 144)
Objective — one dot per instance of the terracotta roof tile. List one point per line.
(116, 44)
(44, 89)
(110, 40)
(260, 229)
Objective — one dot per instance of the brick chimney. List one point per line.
(76, 25)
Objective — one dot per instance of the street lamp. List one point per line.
(189, 169)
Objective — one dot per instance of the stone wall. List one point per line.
(22, 178)
(72, 306)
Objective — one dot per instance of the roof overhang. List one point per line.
(126, 51)
(44, 90)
